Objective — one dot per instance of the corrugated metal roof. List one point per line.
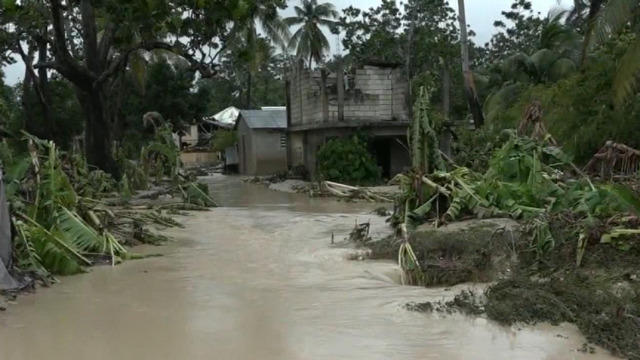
(265, 119)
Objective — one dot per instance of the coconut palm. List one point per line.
(557, 57)
(613, 18)
(275, 30)
(308, 40)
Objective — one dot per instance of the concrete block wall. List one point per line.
(380, 95)
(306, 100)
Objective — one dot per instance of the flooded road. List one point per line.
(258, 279)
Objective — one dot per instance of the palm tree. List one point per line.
(557, 57)
(275, 30)
(308, 40)
(615, 16)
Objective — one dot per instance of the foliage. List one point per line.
(53, 233)
(168, 90)
(425, 151)
(94, 44)
(519, 34)
(309, 41)
(347, 160)
(578, 111)
(231, 86)
(525, 180)
(64, 113)
(161, 157)
(474, 148)
(610, 21)
(62, 225)
(425, 158)
(197, 194)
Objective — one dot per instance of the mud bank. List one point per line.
(467, 251)
(602, 297)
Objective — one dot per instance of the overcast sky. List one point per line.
(480, 15)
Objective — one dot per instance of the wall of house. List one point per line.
(261, 151)
(246, 153)
(373, 94)
(296, 149)
(270, 148)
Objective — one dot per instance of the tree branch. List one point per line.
(90, 36)
(105, 42)
(205, 70)
(65, 64)
(28, 63)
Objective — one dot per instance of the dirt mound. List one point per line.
(602, 297)
(467, 251)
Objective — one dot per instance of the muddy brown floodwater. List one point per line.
(257, 279)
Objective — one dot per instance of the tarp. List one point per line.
(6, 281)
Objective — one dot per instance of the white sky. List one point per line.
(480, 15)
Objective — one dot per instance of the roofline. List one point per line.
(349, 125)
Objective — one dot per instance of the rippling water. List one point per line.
(258, 279)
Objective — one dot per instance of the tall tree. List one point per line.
(92, 43)
(612, 20)
(309, 40)
(257, 51)
(469, 84)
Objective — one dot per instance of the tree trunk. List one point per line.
(470, 88)
(43, 79)
(249, 85)
(594, 8)
(98, 131)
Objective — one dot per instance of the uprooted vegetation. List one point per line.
(575, 262)
(566, 250)
(68, 216)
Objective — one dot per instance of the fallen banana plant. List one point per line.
(63, 224)
(352, 192)
(526, 180)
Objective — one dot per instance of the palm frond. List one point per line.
(276, 29)
(626, 80)
(612, 18)
(197, 194)
(55, 240)
(77, 232)
(53, 258)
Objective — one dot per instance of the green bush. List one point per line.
(347, 160)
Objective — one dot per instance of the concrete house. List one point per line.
(262, 141)
(371, 99)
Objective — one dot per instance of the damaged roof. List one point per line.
(265, 119)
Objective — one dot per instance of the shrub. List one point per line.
(347, 160)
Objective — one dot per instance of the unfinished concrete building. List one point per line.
(371, 99)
